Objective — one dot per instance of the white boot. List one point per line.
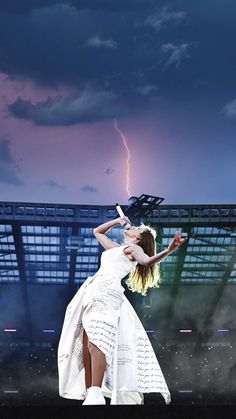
(94, 396)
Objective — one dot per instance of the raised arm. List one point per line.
(143, 259)
(100, 231)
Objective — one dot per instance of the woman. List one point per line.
(104, 349)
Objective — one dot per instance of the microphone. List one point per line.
(121, 214)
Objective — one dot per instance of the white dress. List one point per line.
(101, 309)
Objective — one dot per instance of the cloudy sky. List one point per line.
(165, 71)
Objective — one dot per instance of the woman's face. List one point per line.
(134, 233)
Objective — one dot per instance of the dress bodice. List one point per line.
(115, 263)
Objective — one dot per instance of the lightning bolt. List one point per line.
(127, 160)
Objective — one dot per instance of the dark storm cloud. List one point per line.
(89, 188)
(53, 184)
(47, 45)
(89, 106)
(109, 171)
(8, 166)
(8, 175)
(123, 47)
(22, 6)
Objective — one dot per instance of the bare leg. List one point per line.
(86, 361)
(98, 364)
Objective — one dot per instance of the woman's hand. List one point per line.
(101, 230)
(176, 242)
(123, 220)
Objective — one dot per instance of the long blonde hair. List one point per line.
(143, 277)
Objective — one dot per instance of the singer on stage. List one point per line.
(104, 349)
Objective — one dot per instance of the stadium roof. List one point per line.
(54, 244)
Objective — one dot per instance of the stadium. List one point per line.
(47, 252)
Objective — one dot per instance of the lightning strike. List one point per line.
(127, 160)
